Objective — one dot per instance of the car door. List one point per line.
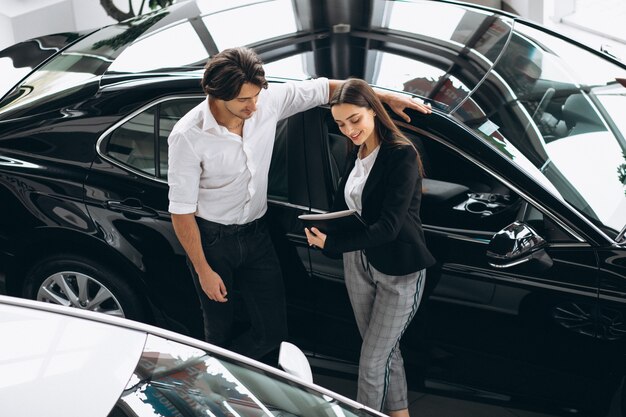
(127, 196)
(504, 333)
(288, 197)
(611, 313)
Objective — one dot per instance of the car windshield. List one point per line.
(172, 379)
(78, 67)
(556, 110)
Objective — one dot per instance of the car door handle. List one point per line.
(132, 207)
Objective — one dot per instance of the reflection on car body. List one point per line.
(524, 150)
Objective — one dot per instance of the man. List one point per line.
(219, 158)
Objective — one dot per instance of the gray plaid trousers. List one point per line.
(383, 306)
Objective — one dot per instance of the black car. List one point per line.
(524, 198)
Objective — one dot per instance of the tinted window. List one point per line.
(169, 113)
(172, 379)
(559, 122)
(136, 143)
(133, 142)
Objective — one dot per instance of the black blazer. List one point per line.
(394, 240)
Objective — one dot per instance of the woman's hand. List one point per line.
(316, 238)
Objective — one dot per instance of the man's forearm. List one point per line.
(188, 234)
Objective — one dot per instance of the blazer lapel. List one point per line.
(340, 202)
(377, 172)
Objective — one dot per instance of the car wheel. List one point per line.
(74, 281)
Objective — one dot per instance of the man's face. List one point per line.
(244, 105)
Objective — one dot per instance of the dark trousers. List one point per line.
(245, 259)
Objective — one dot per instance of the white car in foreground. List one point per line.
(59, 361)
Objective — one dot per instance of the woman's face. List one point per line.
(357, 123)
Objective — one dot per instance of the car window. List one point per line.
(439, 85)
(172, 379)
(543, 225)
(133, 143)
(559, 121)
(169, 113)
(469, 198)
(456, 47)
(466, 197)
(136, 144)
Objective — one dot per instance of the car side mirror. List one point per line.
(294, 362)
(516, 244)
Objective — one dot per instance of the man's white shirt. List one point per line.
(221, 176)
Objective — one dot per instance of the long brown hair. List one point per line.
(359, 93)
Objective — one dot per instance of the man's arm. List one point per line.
(188, 235)
(397, 102)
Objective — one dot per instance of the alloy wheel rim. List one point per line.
(78, 290)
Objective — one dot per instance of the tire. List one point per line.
(79, 282)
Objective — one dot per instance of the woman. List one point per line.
(385, 262)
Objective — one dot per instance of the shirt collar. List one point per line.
(208, 120)
(371, 157)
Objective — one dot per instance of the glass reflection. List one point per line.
(18, 60)
(172, 379)
(458, 49)
(559, 120)
(133, 142)
(79, 67)
(435, 21)
(143, 56)
(293, 67)
(245, 25)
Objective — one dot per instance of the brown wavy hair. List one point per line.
(226, 72)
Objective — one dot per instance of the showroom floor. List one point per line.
(428, 405)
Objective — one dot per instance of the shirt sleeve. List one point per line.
(297, 96)
(183, 176)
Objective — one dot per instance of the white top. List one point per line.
(357, 179)
(221, 176)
